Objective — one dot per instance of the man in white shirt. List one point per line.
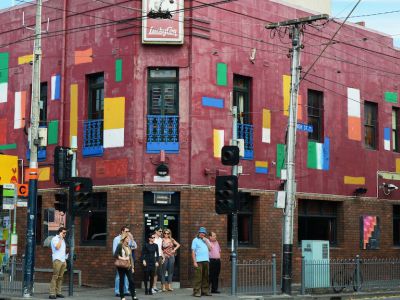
(133, 246)
(59, 257)
(158, 241)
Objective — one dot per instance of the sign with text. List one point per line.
(304, 127)
(9, 169)
(163, 22)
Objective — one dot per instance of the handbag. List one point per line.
(120, 263)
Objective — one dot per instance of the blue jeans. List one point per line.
(126, 287)
(168, 266)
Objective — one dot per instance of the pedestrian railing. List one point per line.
(349, 274)
(11, 277)
(255, 277)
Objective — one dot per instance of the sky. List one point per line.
(386, 23)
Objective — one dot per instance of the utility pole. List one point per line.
(234, 213)
(33, 165)
(290, 186)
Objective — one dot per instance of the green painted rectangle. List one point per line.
(280, 159)
(391, 97)
(8, 146)
(312, 155)
(52, 132)
(8, 193)
(222, 74)
(4, 58)
(118, 70)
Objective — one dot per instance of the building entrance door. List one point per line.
(164, 220)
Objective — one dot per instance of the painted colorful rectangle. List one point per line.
(26, 59)
(157, 30)
(84, 56)
(73, 117)
(299, 108)
(397, 165)
(222, 74)
(370, 232)
(9, 169)
(354, 128)
(44, 174)
(3, 92)
(286, 81)
(354, 180)
(3, 131)
(219, 140)
(52, 132)
(318, 155)
(8, 146)
(118, 70)
(19, 110)
(114, 122)
(266, 126)
(261, 167)
(386, 138)
(353, 103)
(212, 102)
(56, 87)
(4, 61)
(280, 159)
(391, 97)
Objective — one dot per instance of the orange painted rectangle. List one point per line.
(84, 56)
(354, 128)
(299, 108)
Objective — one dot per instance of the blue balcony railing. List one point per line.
(93, 138)
(245, 131)
(162, 134)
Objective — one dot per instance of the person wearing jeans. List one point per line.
(200, 248)
(169, 248)
(58, 249)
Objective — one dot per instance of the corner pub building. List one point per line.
(138, 94)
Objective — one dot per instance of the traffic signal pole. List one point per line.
(290, 186)
(33, 165)
(234, 213)
(71, 214)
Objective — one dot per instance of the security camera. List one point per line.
(391, 186)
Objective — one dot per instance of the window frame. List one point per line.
(163, 81)
(318, 133)
(94, 86)
(244, 115)
(96, 208)
(371, 107)
(395, 131)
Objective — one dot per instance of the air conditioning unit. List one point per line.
(316, 263)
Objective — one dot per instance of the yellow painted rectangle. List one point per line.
(354, 180)
(73, 118)
(44, 174)
(266, 122)
(218, 137)
(261, 164)
(114, 113)
(26, 59)
(8, 169)
(286, 94)
(397, 165)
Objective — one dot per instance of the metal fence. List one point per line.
(349, 274)
(11, 277)
(255, 277)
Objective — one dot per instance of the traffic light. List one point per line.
(230, 155)
(81, 189)
(61, 202)
(62, 164)
(226, 194)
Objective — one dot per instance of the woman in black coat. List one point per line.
(149, 259)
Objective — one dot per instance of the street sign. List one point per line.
(305, 127)
(8, 196)
(22, 190)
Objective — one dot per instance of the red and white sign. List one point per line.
(163, 31)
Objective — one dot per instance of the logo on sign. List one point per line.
(23, 190)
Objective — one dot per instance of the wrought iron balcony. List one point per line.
(245, 131)
(93, 138)
(162, 134)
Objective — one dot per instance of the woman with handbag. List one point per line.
(169, 248)
(125, 266)
(150, 258)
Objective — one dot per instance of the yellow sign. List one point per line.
(8, 169)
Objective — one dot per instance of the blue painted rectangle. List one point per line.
(212, 102)
(248, 154)
(326, 154)
(261, 170)
(41, 154)
(93, 151)
(168, 147)
(386, 134)
(305, 127)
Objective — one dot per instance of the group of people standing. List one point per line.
(158, 259)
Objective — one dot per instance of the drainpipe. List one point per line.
(63, 72)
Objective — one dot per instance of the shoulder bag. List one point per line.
(120, 263)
